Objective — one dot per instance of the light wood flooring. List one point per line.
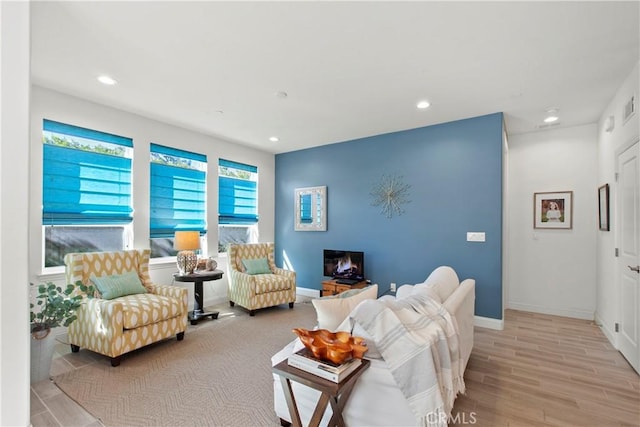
(546, 370)
(540, 370)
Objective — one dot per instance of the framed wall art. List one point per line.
(603, 207)
(553, 210)
(310, 209)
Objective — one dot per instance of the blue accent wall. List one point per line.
(455, 173)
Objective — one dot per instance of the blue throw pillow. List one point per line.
(256, 266)
(119, 285)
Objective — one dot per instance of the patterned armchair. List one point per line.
(113, 327)
(273, 286)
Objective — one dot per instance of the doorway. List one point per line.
(628, 237)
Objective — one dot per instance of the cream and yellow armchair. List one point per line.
(116, 326)
(255, 281)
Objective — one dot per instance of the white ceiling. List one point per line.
(350, 69)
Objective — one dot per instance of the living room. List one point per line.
(492, 175)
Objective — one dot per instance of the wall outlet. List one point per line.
(393, 287)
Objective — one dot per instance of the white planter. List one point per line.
(41, 355)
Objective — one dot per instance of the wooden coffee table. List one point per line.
(335, 393)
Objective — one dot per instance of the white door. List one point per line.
(628, 208)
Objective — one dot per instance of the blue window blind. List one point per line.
(237, 192)
(86, 176)
(178, 191)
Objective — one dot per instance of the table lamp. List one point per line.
(186, 242)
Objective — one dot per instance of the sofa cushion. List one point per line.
(256, 266)
(405, 291)
(444, 280)
(118, 285)
(332, 310)
(429, 290)
(145, 309)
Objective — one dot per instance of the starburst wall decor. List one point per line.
(390, 194)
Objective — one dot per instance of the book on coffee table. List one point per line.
(304, 360)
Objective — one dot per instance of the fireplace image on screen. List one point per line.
(344, 264)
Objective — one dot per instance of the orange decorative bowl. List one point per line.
(336, 347)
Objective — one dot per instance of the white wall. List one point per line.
(607, 289)
(553, 271)
(56, 106)
(14, 178)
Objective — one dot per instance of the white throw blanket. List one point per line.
(419, 341)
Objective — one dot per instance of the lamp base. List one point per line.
(187, 262)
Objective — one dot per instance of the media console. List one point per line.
(332, 287)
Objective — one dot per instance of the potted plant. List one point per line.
(54, 307)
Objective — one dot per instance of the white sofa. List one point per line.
(376, 399)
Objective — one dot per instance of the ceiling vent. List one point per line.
(548, 125)
(629, 109)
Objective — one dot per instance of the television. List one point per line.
(340, 264)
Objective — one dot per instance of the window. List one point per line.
(237, 203)
(178, 196)
(86, 191)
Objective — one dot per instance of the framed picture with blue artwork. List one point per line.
(310, 213)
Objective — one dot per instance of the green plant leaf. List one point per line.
(56, 306)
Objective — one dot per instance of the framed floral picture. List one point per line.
(603, 207)
(553, 210)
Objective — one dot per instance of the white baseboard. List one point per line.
(307, 292)
(212, 301)
(304, 292)
(576, 314)
(611, 336)
(488, 322)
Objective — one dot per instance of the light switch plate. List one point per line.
(475, 236)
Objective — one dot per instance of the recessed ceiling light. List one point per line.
(423, 104)
(274, 139)
(106, 80)
(552, 115)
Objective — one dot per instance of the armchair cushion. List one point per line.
(146, 309)
(256, 266)
(271, 283)
(119, 285)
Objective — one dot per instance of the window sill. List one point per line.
(166, 263)
(51, 274)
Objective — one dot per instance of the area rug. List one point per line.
(219, 375)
